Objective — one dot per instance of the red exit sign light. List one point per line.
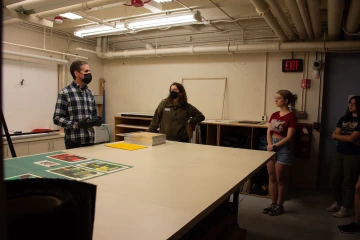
(292, 65)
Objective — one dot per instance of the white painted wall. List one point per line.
(139, 84)
(37, 114)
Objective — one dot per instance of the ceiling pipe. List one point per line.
(73, 8)
(263, 9)
(335, 15)
(35, 6)
(276, 9)
(59, 61)
(353, 20)
(9, 2)
(218, 7)
(305, 17)
(104, 45)
(294, 12)
(314, 12)
(98, 48)
(44, 50)
(81, 49)
(226, 49)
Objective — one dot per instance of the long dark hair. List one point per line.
(348, 114)
(287, 95)
(182, 98)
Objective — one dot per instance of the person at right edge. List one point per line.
(173, 115)
(346, 163)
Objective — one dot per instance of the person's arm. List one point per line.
(346, 138)
(290, 133)
(196, 116)
(61, 108)
(354, 137)
(155, 122)
(289, 137)
(268, 138)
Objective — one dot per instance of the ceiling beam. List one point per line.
(28, 18)
(154, 6)
(36, 6)
(9, 2)
(77, 7)
(193, 28)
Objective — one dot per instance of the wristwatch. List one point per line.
(274, 147)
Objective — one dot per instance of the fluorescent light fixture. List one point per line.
(163, 1)
(100, 30)
(71, 16)
(168, 20)
(174, 19)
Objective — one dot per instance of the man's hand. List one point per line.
(85, 123)
(97, 122)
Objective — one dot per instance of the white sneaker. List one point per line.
(343, 212)
(334, 207)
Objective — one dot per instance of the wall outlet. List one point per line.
(263, 118)
(301, 115)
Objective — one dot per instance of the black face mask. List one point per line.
(87, 78)
(174, 95)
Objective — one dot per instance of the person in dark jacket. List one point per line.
(173, 113)
(346, 164)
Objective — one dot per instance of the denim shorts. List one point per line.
(284, 154)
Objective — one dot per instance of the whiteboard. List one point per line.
(207, 95)
(32, 104)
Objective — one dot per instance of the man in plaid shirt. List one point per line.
(75, 109)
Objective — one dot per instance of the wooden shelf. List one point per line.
(132, 126)
(125, 124)
(136, 118)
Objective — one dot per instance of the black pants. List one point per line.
(70, 144)
(344, 176)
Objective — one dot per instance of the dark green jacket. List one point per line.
(172, 118)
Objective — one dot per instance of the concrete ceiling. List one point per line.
(244, 29)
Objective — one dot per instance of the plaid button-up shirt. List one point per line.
(74, 104)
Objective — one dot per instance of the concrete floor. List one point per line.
(305, 218)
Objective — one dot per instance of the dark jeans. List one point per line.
(344, 175)
(70, 144)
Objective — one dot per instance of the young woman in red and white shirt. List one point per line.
(280, 135)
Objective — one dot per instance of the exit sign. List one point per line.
(292, 65)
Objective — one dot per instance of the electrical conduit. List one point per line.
(239, 48)
(263, 9)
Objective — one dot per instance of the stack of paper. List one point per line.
(125, 146)
(145, 138)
